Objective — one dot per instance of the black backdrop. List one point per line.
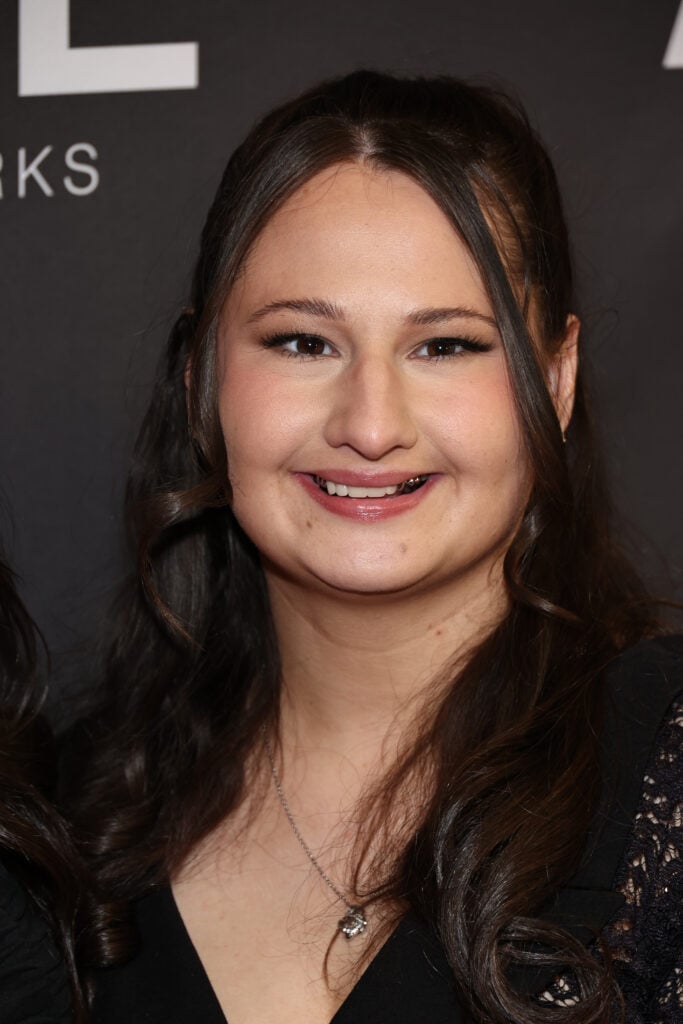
(93, 273)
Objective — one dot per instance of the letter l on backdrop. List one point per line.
(673, 58)
(49, 66)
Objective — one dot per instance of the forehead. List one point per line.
(355, 231)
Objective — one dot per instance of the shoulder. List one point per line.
(646, 937)
(629, 886)
(644, 723)
(33, 982)
(642, 687)
(649, 673)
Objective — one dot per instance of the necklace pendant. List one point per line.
(353, 923)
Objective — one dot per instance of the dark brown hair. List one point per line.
(192, 672)
(35, 842)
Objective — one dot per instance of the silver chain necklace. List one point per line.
(354, 921)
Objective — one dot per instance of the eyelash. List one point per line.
(279, 340)
(466, 344)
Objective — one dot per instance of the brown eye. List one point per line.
(308, 345)
(301, 345)
(445, 348)
(442, 347)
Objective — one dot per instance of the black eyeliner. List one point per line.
(280, 337)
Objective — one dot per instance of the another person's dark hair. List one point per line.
(192, 670)
(36, 845)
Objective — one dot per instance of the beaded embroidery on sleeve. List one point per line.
(646, 936)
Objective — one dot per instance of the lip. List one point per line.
(365, 509)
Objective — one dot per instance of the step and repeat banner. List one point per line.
(116, 120)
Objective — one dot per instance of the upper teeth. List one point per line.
(346, 491)
(343, 491)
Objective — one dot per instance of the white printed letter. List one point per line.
(32, 171)
(75, 165)
(49, 67)
(673, 58)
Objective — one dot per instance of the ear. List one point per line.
(562, 372)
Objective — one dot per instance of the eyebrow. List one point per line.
(330, 311)
(314, 307)
(428, 317)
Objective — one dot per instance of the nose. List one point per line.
(370, 410)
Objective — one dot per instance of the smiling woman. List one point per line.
(326, 402)
(375, 685)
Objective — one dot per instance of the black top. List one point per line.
(629, 887)
(33, 982)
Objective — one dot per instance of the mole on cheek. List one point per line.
(309, 524)
(402, 548)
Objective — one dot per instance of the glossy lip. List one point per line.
(366, 509)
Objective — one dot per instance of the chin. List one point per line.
(370, 582)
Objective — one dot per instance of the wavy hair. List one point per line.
(191, 669)
(35, 842)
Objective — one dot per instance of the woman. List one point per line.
(41, 881)
(369, 749)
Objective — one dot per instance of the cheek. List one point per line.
(261, 422)
(478, 424)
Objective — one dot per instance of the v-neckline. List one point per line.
(409, 968)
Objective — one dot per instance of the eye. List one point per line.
(446, 348)
(299, 344)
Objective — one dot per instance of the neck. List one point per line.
(357, 669)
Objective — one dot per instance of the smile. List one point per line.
(339, 490)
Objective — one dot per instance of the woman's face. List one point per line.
(358, 352)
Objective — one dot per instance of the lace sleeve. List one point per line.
(646, 938)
